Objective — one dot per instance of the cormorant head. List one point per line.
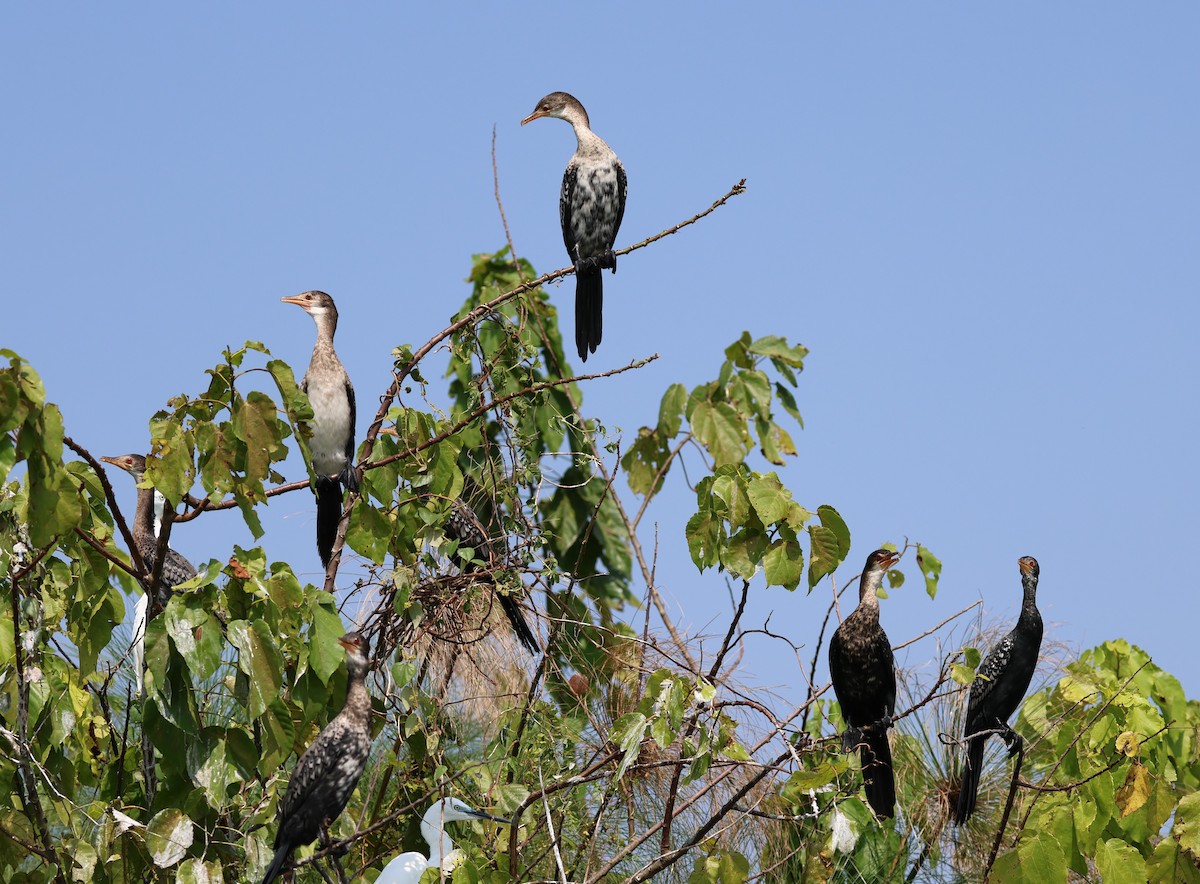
(134, 464)
(561, 105)
(881, 560)
(1029, 566)
(313, 303)
(357, 651)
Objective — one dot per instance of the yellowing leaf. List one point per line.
(1131, 796)
(1129, 743)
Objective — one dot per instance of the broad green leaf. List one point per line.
(260, 660)
(722, 431)
(168, 837)
(197, 871)
(1187, 823)
(325, 652)
(627, 732)
(825, 553)
(196, 634)
(670, 411)
(832, 519)
(770, 499)
(783, 564)
(1042, 858)
(1120, 863)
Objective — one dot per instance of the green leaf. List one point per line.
(169, 836)
(260, 660)
(771, 500)
(824, 555)
(722, 431)
(783, 564)
(1120, 863)
(931, 568)
(670, 411)
(1042, 858)
(195, 633)
(1187, 823)
(325, 653)
(369, 532)
(628, 732)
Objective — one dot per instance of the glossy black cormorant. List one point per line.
(590, 207)
(332, 397)
(327, 772)
(864, 679)
(999, 687)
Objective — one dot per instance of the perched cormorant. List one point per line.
(999, 687)
(332, 397)
(464, 526)
(864, 679)
(408, 867)
(327, 772)
(176, 569)
(590, 207)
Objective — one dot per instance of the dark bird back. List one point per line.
(999, 687)
(864, 680)
(328, 771)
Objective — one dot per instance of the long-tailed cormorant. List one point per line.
(999, 687)
(327, 772)
(590, 207)
(332, 397)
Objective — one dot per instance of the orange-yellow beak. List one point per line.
(534, 116)
(298, 300)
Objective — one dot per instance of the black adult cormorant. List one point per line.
(864, 679)
(464, 526)
(327, 772)
(176, 569)
(590, 206)
(999, 687)
(332, 397)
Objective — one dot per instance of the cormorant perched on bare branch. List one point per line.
(590, 207)
(332, 397)
(864, 679)
(464, 526)
(327, 772)
(998, 688)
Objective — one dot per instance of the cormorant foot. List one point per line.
(851, 737)
(608, 261)
(1013, 740)
(879, 726)
(588, 265)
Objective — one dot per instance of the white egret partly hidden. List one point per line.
(407, 868)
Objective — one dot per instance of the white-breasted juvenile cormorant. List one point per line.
(998, 688)
(407, 868)
(464, 526)
(590, 207)
(332, 397)
(864, 679)
(327, 772)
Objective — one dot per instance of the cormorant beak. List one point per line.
(1026, 567)
(891, 560)
(298, 300)
(116, 463)
(534, 116)
(348, 645)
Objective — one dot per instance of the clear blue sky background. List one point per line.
(982, 222)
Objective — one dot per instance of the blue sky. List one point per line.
(982, 223)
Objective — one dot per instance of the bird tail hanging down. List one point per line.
(280, 860)
(329, 513)
(589, 306)
(516, 617)
(968, 786)
(879, 781)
